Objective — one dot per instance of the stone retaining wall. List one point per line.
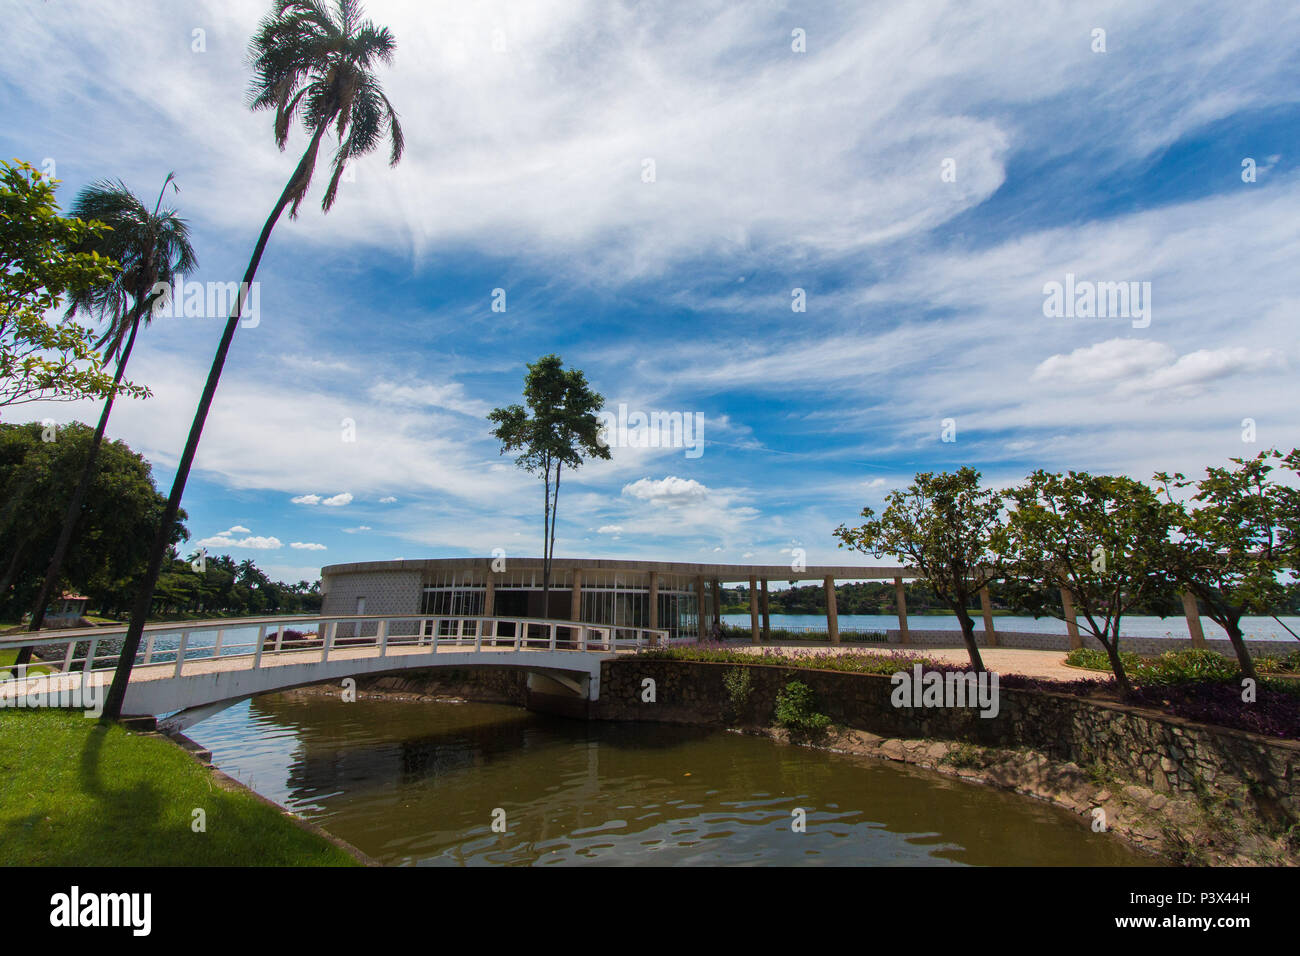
(1162, 752)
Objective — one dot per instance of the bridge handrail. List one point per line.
(432, 630)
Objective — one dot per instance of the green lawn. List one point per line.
(75, 793)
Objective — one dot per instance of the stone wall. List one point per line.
(503, 685)
(386, 592)
(1150, 646)
(1162, 752)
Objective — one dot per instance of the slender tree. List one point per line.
(558, 427)
(1234, 540)
(1101, 537)
(152, 247)
(314, 63)
(946, 524)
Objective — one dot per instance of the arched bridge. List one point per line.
(188, 671)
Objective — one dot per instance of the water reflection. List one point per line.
(418, 783)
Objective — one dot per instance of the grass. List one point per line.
(9, 656)
(77, 793)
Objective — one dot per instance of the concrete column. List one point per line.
(575, 604)
(987, 607)
(1193, 619)
(832, 615)
(900, 598)
(654, 598)
(762, 605)
(753, 611)
(717, 603)
(490, 597)
(701, 619)
(1071, 625)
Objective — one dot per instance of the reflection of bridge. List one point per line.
(195, 669)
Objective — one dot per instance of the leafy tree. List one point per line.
(151, 247)
(557, 428)
(40, 264)
(1233, 545)
(1102, 537)
(121, 512)
(945, 526)
(316, 64)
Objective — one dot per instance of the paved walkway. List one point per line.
(1005, 660)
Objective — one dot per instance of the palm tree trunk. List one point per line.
(144, 599)
(73, 513)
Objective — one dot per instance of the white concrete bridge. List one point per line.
(188, 671)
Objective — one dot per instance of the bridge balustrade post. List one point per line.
(148, 647)
(519, 625)
(279, 637)
(478, 637)
(330, 631)
(554, 631)
(381, 632)
(67, 658)
(582, 638)
(180, 652)
(216, 648)
(261, 643)
(90, 660)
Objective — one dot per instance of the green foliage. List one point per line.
(796, 709)
(41, 264)
(946, 526)
(1183, 667)
(1102, 537)
(558, 427)
(118, 520)
(1234, 542)
(1096, 660)
(739, 686)
(314, 63)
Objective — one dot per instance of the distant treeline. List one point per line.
(877, 597)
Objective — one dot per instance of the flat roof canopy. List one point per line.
(722, 572)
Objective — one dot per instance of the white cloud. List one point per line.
(307, 546)
(337, 501)
(251, 542)
(670, 490)
(387, 500)
(610, 529)
(238, 529)
(306, 500)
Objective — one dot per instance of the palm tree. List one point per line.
(313, 63)
(151, 248)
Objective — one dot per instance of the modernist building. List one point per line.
(680, 598)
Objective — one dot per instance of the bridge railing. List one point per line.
(263, 641)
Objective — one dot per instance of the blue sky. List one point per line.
(528, 128)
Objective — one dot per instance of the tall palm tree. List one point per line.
(151, 247)
(315, 63)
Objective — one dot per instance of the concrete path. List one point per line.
(1049, 665)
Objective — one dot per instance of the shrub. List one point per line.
(739, 686)
(796, 709)
(1095, 659)
(1182, 667)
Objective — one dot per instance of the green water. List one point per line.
(419, 783)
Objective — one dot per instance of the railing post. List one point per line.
(90, 659)
(148, 647)
(330, 630)
(261, 643)
(478, 637)
(518, 632)
(582, 637)
(279, 637)
(381, 631)
(180, 652)
(554, 631)
(216, 648)
(67, 658)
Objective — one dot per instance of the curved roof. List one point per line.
(723, 572)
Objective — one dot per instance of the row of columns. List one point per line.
(759, 608)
